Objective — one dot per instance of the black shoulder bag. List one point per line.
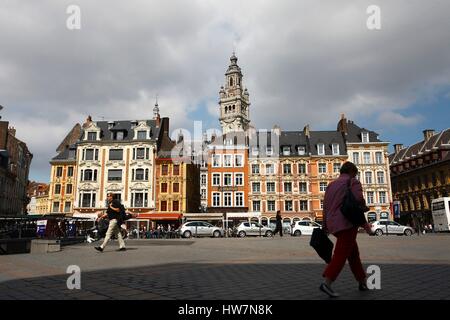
(352, 209)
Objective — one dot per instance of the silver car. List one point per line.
(200, 229)
(390, 227)
(252, 229)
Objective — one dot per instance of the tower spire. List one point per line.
(234, 101)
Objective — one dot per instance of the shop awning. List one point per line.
(203, 216)
(91, 216)
(160, 216)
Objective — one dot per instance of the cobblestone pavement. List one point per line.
(416, 267)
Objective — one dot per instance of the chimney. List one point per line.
(87, 122)
(427, 134)
(342, 124)
(12, 131)
(398, 147)
(306, 130)
(165, 125)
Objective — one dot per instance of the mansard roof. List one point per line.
(439, 141)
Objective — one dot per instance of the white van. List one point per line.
(440, 209)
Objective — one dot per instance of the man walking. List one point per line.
(113, 212)
(279, 227)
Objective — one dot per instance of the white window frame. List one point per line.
(236, 177)
(355, 157)
(227, 174)
(218, 163)
(365, 158)
(253, 205)
(335, 169)
(285, 205)
(255, 184)
(383, 177)
(274, 206)
(215, 196)
(239, 199)
(227, 164)
(384, 196)
(256, 166)
(286, 150)
(335, 149)
(368, 176)
(378, 153)
(319, 165)
(300, 188)
(365, 137)
(228, 196)
(321, 189)
(301, 150)
(370, 200)
(272, 166)
(306, 168)
(236, 156)
(274, 186)
(219, 179)
(321, 149)
(284, 186)
(300, 205)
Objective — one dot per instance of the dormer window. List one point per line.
(286, 151)
(335, 149)
(320, 149)
(92, 136)
(365, 137)
(141, 135)
(119, 135)
(301, 150)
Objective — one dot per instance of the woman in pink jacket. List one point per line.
(334, 222)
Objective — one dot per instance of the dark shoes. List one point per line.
(363, 287)
(99, 249)
(324, 288)
(122, 249)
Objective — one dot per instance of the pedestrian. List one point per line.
(279, 227)
(113, 212)
(334, 222)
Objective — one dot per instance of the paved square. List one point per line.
(416, 267)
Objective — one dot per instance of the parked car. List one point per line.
(199, 229)
(379, 228)
(304, 227)
(252, 229)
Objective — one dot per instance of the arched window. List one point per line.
(231, 82)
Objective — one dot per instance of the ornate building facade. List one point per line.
(117, 157)
(370, 154)
(15, 162)
(421, 173)
(64, 173)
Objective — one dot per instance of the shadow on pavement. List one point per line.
(233, 282)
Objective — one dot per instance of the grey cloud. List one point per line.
(303, 61)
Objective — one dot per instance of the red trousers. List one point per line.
(346, 249)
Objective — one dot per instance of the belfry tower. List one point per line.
(234, 101)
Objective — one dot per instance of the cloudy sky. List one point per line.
(303, 62)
